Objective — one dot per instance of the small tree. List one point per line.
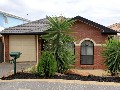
(112, 54)
(57, 39)
(47, 65)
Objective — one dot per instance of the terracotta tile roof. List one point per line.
(39, 26)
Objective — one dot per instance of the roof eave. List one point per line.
(112, 32)
(30, 33)
(109, 33)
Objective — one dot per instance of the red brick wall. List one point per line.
(6, 43)
(82, 31)
(98, 60)
(2, 50)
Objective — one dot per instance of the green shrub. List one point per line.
(111, 53)
(32, 69)
(65, 59)
(47, 65)
(56, 40)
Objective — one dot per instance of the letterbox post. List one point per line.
(15, 65)
(15, 55)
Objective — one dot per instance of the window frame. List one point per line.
(73, 47)
(81, 56)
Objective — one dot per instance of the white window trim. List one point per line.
(79, 44)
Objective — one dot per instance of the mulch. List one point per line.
(23, 75)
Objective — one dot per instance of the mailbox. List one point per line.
(15, 54)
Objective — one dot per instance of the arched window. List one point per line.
(87, 53)
(71, 47)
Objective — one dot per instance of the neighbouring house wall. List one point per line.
(116, 27)
(13, 22)
(117, 37)
(2, 21)
(9, 21)
(83, 32)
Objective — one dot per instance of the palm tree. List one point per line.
(57, 39)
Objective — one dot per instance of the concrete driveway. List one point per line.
(7, 68)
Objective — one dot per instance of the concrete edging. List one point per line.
(63, 81)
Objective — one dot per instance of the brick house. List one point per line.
(88, 43)
(116, 27)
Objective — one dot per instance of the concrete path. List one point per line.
(56, 85)
(7, 68)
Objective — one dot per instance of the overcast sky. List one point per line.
(104, 12)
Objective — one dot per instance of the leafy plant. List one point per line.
(47, 65)
(112, 54)
(57, 39)
(32, 69)
(65, 60)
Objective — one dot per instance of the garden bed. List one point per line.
(23, 75)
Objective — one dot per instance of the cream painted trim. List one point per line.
(87, 39)
(37, 48)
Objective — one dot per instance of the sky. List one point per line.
(105, 12)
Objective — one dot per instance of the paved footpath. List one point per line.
(7, 68)
(56, 85)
